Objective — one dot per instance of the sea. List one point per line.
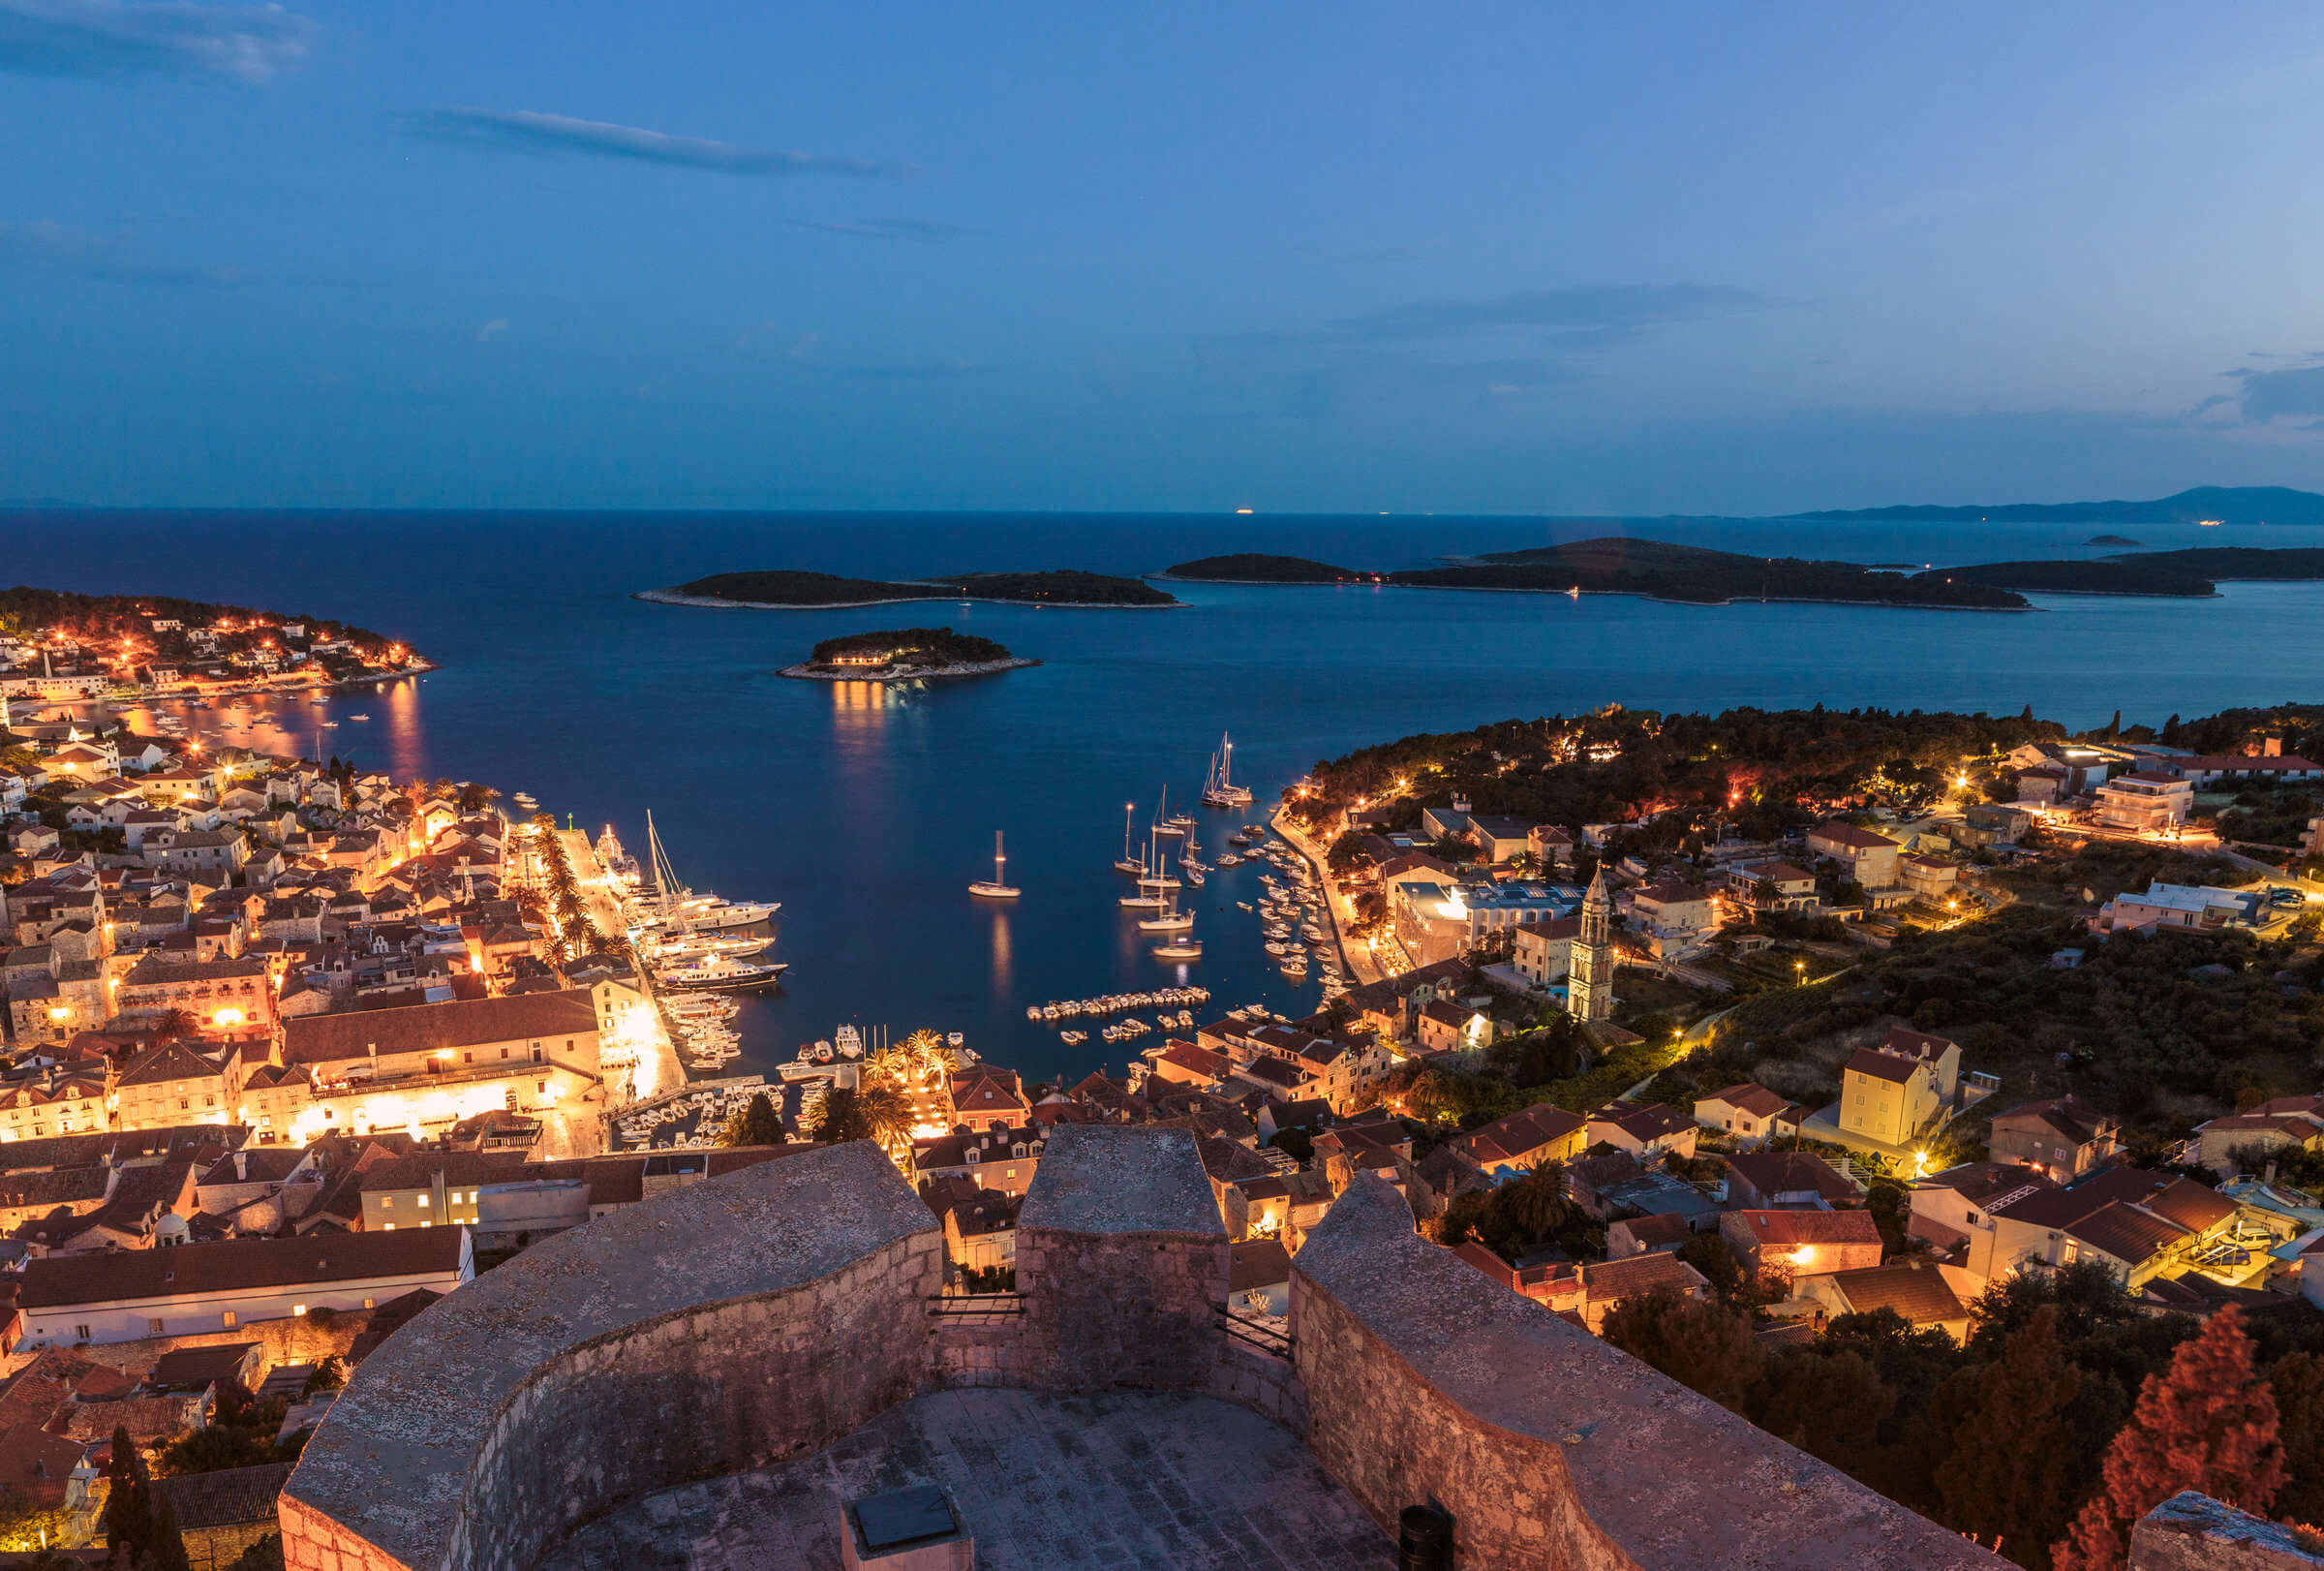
(866, 812)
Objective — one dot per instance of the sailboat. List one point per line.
(679, 910)
(1171, 920)
(996, 888)
(1129, 862)
(1155, 889)
(1181, 948)
(1219, 789)
(1167, 825)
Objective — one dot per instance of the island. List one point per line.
(904, 655)
(790, 590)
(1260, 568)
(1618, 564)
(61, 647)
(2111, 539)
(2110, 575)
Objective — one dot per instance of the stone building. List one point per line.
(1590, 976)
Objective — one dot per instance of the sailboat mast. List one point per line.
(998, 861)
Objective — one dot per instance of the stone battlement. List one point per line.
(778, 1311)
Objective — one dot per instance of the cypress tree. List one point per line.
(2007, 1479)
(2209, 1423)
(166, 1551)
(127, 1503)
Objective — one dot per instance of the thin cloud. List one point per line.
(890, 228)
(53, 248)
(165, 38)
(492, 329)
(527, 131)
(2270, 395)
(1604, 310)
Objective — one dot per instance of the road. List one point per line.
(1362, 964)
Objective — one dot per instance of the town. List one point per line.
(1825, 1062)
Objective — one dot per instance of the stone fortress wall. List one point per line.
(767, 1313)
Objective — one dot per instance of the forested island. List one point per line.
(777, 589)
(904, 654)
(1260, 568)
(1617, 565)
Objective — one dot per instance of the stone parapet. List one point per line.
(2194, 1532)
(728, 1324)
(1123, 1262)
(1428, 1382)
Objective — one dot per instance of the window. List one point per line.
(156, 1327)
(421, 1202)
(503, 1052)
(80, 1333)
(371, 1303)
(227, 1319)
(387, 1227)
(387, 1202)
(299, 1309)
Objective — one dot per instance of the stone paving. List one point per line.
(1115, 1480)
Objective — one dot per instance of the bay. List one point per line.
(868, 812)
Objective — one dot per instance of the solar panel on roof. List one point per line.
(904, 1517)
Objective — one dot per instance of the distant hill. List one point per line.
(1258, 568)
(2226, 504)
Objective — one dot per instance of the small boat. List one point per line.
(1180, 949)
(996, 888)
(359, 717)
(1243, 905)
(329, 725)
(1171, 920)
(1141, 903)
(1194, 877)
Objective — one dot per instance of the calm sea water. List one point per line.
(867, 813)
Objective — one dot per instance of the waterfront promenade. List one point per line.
(1362, 963)
(658, 1072)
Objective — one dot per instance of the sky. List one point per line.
(1359, 257)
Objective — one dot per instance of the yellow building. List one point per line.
(1887, 1097)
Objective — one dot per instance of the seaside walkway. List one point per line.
(658, 1072)
(1362, 964)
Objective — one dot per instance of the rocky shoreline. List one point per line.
(806, 672)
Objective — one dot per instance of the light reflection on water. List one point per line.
(867, 811)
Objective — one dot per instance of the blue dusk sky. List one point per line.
(1480, 257)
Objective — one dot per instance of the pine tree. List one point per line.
(1699, 1342)
(2298, 1382)
(2209, 1423)
(757, 1125)
(2008, 1479)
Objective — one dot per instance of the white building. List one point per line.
(186, 1288)
(2146, 802)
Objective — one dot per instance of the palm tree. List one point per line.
(887, 1117)
(931, 1059)
(176, 1024)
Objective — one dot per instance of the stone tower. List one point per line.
(1590, 980)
